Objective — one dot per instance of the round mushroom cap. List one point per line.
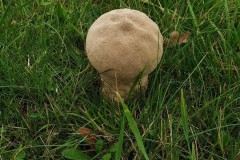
(124, 42)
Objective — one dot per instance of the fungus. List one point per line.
(120, 44)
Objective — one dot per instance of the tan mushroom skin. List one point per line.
(120, 44)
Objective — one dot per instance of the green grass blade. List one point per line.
(184, 117)
(120, 139)
(133, 127)
(193, 154)
(219, 33)
(136, 81)
(195, 23)
(226, 10)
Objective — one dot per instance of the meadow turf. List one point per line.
(48, 91)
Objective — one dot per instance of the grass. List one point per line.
(191, 109)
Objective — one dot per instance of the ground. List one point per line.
(51, 106)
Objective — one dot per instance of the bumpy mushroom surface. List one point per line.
(120, 44)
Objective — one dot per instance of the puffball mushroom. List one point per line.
(120, 44)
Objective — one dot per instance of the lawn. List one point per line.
(51, 106)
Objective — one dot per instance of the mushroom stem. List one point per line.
(110, 87)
